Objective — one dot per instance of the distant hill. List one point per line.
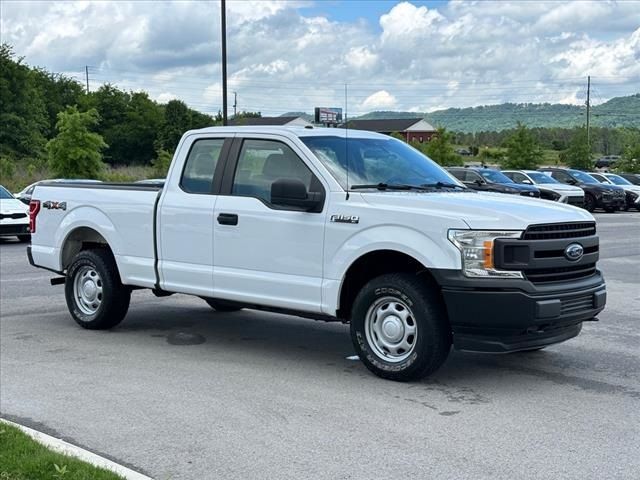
(617, 112)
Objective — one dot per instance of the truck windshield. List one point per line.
(4, 193)
(374, 161)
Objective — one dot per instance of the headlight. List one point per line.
(476, 248)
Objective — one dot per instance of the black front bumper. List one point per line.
(611, 202)
(14, 229)
(501, 315)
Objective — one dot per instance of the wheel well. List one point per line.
(83, 238)
(371, 265)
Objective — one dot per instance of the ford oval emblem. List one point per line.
(574, 252)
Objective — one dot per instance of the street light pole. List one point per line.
(223, 18)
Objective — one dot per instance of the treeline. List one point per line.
(603, 140)
(134, 127)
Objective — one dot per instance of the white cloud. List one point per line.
(381, 100)
(281, 59)
(165, 97)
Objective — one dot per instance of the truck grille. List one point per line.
(560, 274)
(553, 231)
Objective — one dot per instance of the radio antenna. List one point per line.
(346, 138)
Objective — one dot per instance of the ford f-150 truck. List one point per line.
(329, 224)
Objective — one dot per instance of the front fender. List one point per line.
(403, 239)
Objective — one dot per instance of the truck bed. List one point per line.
(108, 208)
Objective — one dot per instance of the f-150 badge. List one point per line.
(55, 205)
(345, 218)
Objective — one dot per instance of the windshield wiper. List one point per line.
(442, 185)
(388, 186)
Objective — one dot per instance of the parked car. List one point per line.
(596, 195)
(550, 188)
(633, 178)
(14, 217)
(632, 192)
(267, 218)
(607, 161)
(490, 180)
(25, 194)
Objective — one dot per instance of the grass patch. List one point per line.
(22, 458)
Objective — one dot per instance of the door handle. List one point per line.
(228, 219)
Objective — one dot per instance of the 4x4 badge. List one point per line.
(55, 205)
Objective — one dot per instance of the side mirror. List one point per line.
(479, 182)
(571, 181)
(527, 181)
(291, 192)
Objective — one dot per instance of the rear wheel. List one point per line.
(24, 238)
(399, 327)
(221, 305)
(95, 296)
(589, 202)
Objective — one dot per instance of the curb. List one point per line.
(60, 446)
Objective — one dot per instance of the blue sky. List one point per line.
(353, 10)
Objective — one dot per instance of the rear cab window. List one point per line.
(200, 165)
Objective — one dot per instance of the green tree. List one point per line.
(177, 120)
(23, 117)
(578, 154)
(630, 162)
(161, 163)
(440, 149)
(75, 152)
(523, 151)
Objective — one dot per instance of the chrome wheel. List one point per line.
(87, 288)
(391, 329)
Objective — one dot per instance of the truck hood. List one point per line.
(11, 205)
(482, 210)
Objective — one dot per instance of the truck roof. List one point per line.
(295, 130)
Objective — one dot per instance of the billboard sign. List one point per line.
(328, 115)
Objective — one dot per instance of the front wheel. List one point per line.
(96, 298)
(399, 327)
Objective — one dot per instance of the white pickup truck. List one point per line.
(331, 224)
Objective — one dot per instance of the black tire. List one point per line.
(589, 203)
(429, 349)
(221, 305)
(24, 238)
(114, 297)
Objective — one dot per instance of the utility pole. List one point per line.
(223, 19)
(589, 112)
(86, 76)
(235, 103)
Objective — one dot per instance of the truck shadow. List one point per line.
(323, 349)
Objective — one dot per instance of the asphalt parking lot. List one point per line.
(258, 395)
